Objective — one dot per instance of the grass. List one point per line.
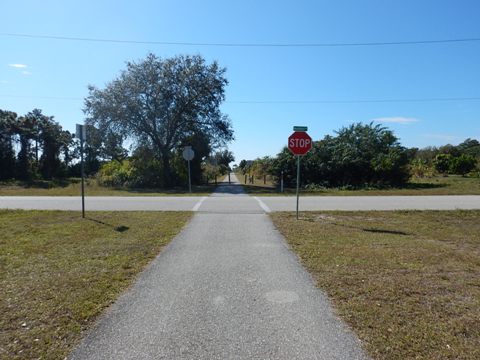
(71, 187)
(59, 272)
(407, 282)
(438, 185)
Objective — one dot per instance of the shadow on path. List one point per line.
(232, 188)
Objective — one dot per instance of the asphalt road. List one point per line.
(227, 287)
(223, 202)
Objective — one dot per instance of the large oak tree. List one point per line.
(161, 103)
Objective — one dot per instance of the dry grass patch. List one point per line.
(71, 187)
(58, 272)
(407, 282)
(438, 185)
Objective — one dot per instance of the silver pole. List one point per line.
(281, 183)
(83, 177)
(189, 178)
(298, 181)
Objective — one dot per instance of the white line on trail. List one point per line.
(199, 203)
(262, 205)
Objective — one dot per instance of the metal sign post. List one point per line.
(299, 143)
(189, 178)
(81, 133)
(298, 181)
(188, 154)
(281, 183)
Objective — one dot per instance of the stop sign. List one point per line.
(299, 143)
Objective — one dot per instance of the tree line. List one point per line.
(155, 106)
(33, 146)
(365, 155)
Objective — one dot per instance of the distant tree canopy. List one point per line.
(162, 105)
(357, 155)
(43, 146)
(447, 159)
(366, 155)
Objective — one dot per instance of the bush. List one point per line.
(462, 165)
(115, 173)
(420, 168)
(360, 155)
(442, 163)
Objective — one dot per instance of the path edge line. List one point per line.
(263, 205)
(199, 203)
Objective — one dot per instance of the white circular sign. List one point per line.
(188, 153)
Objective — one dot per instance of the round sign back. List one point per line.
(188, 153)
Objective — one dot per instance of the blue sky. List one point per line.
(53, 74)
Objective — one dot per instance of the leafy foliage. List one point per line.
(7, 154)
(462, 165)
(162, 103)
(42, 143)
(358, 155)
(442, 163)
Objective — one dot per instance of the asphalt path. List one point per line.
(223, 201)
(227, 287)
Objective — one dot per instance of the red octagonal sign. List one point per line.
(299, 143)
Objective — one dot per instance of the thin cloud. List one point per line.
(26, 73)
(396, 120)
(18, 66)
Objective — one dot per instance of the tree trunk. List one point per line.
(23, 172)
(167, 170)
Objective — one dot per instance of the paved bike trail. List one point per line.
(227, 287)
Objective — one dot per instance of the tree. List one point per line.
(261, 167)
(462, 165)
(442, 163)
(52, 139)
(24, 128)
(449, 149)
(470, 147)
(224, 158)
(159, 103)
(112, 148)
(7, 153)
(243, 166)
(358, 155)
(92, 150)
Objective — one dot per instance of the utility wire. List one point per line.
(279, 45)
(361, 101)
(355, 101)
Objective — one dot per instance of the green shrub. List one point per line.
(462, 165)
(116, 173)
(442, 163)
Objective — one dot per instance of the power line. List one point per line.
(355, 101)
(278, 45)
(41, 97)
(279, 102)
